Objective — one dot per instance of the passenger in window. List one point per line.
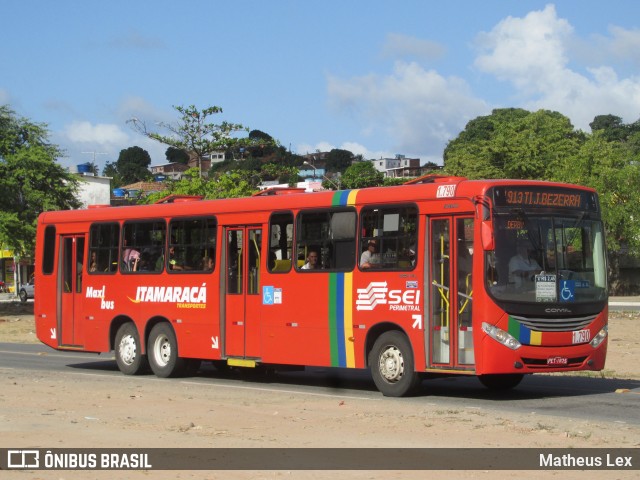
(93, 263)
(130, 257)
(207, 264)
(173, 262)
(367, 257)
(144, 264)
(312, 261)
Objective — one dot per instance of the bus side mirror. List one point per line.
(487, 235)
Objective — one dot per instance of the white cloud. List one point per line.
(101, 133)
(533, 54)
(416, 111)
(528, 51)
(81, 137)
(4, 96)
(624, 44)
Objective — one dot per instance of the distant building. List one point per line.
(204, 163)
(129, 193)
(312, 174)
(400, 166)
(170, 171)
(317, 159)
(94, 190)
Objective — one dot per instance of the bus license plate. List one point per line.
(557, 361)
(581, 336)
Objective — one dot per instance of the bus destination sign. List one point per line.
(543, 197)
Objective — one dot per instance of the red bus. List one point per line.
(443, 276)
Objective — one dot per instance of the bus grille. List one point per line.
(555, 324)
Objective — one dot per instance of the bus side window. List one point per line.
(280, 242)
(392, 232)
(192, 245)
(332, 234)
(103, 248)
(142, 243)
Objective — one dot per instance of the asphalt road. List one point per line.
(563, 396)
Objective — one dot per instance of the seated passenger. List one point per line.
(312, 261)
(366, 259)
(207, 264)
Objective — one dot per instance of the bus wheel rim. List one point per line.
(391, 364)
(128, 349)
(162, 350)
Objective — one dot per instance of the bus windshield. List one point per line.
(547, 258)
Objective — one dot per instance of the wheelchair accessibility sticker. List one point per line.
(271, 295)
(567, 290)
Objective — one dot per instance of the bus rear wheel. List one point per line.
(392, 365)
(162, 349)
(501, 381)
(129, 355)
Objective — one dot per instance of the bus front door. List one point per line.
(242, 296)
(70, 320)
(451, 296)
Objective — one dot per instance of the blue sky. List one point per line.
(375, 77)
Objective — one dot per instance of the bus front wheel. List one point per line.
(501, 381)
(392, 366)
(162, 350)
(129, 355)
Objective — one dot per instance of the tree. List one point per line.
(177, 155)
(338, 160)
(194, 134)
(512, 143)
(362, 175)
(222, 185)
(111, 170)
(31, 180)
(133, 165)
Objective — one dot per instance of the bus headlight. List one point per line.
(501, 336)
(599, 338)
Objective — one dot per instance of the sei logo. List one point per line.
(377, 293)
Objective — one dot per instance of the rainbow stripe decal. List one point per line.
(525, 335)
(341, 302)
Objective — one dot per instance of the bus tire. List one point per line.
(500, 382)
(162, 350)
(392, 366)
(128, 350)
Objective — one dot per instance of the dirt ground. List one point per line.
(41, 411)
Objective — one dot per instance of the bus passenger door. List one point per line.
(70, 291)
(242, 297)
(451, 293)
